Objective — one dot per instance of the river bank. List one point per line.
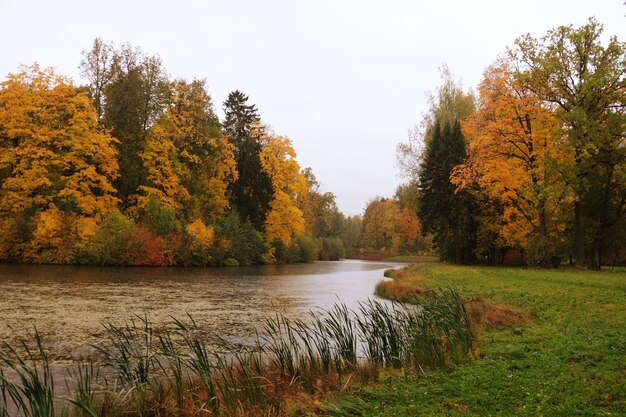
(568, 360)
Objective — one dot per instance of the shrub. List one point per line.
(309, 248)
(143, 247)
(332, 249)
(159, 218)
(246, 244)
(199, 243)
(108, 245)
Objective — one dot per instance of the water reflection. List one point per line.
(68, 304)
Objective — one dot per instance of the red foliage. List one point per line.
(143, 248)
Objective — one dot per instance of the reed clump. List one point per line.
(176, 370)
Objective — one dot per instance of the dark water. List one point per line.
(68, 305)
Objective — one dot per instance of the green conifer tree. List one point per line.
(252, 192)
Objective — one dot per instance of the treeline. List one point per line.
(135, 168)
(536, 164)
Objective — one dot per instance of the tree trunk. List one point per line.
(596, 262)
(579, 237)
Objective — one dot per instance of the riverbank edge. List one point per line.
(558, 354)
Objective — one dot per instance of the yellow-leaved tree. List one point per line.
(56, 166)
(278, 159)
(189, 162)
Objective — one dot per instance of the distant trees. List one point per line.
(390, 228)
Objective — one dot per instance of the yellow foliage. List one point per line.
(164, 171)
(382, 225)
(51, 146)
(53, 239)
(184, 152)
(86, 227)
(284, 219)
(201, 233)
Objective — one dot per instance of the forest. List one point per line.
(136, 168)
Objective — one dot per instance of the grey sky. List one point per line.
(345, 80)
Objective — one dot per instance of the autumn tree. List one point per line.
(584, 82)
(56, 165)
(252, 191)
(514, 156)
(189, 162)
(381, 226)
(278, 160)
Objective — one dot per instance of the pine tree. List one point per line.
(252, 192)
(446, 214)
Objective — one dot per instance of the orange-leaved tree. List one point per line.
(514, 155)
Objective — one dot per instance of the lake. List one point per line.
(69, 304)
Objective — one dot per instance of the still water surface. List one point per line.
(68, 304)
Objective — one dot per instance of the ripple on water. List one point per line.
(68, 305)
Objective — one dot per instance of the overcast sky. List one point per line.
(345, 80)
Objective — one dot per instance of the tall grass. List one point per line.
(30, 390)
(178, 370)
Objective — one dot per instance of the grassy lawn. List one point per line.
(569, 360)
(412, 258)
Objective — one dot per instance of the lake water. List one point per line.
(69, 304)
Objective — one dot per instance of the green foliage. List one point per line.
(444, 212)
(308, 247)
(246, 245)
(160, 219)
(134, 97)
(351, 234)
(333, 249)
(108, 245)
(252, 192)
(572, 70)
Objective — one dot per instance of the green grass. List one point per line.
(411, 258)
(570, 360)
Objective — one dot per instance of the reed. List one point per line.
(31, 390)
(83, 380)
(178, 370)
